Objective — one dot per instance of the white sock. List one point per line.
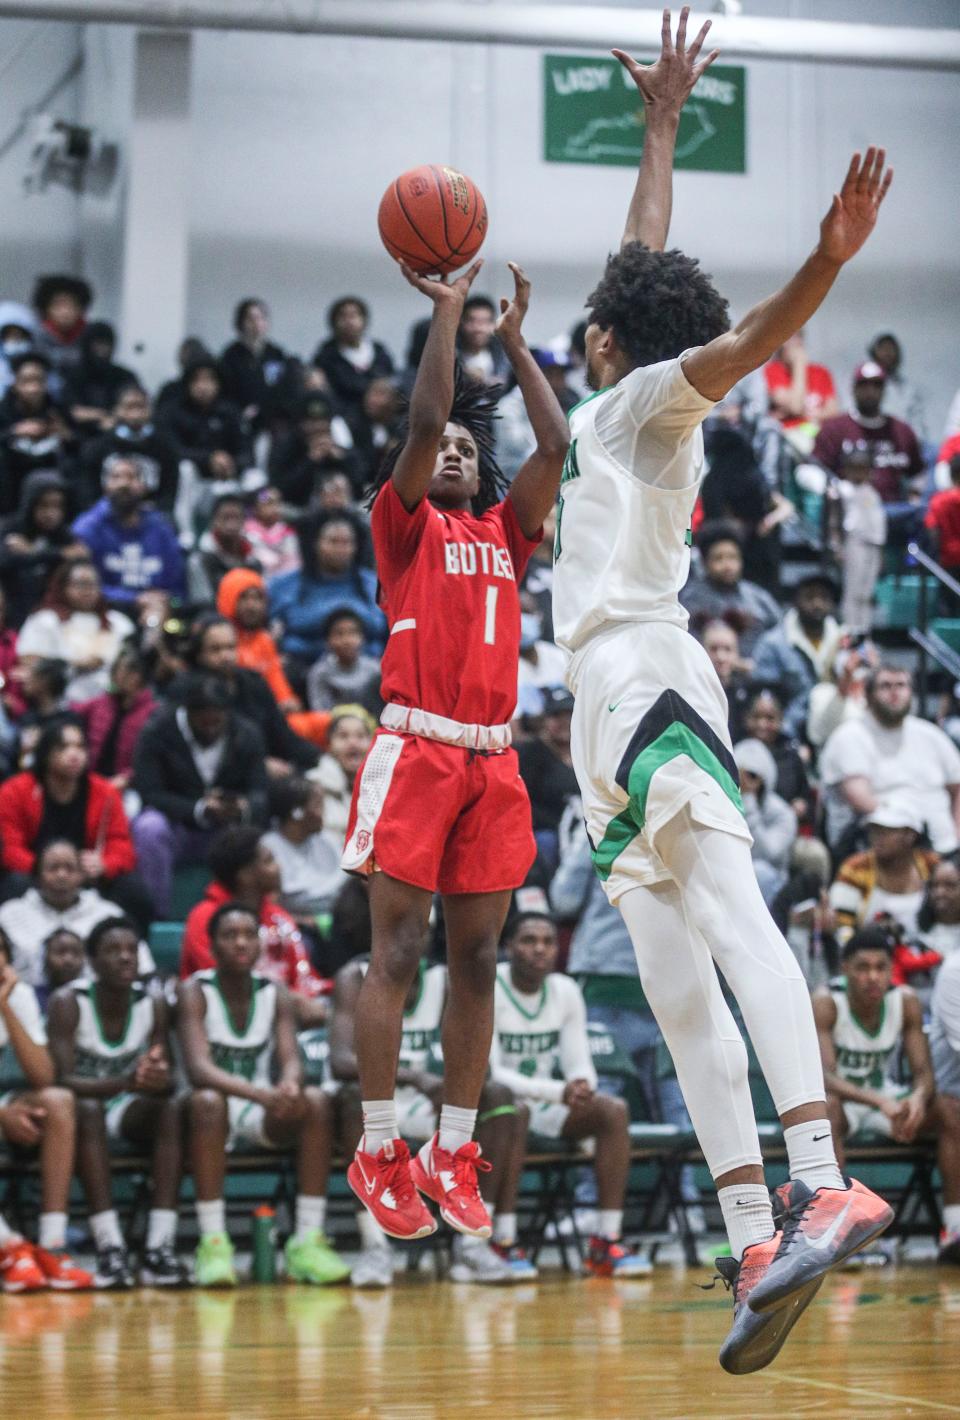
(747, 1215)
(379, 1125)
(505, 1229)
(7, 1235)
(610, 1223)
(311, 1214)
(53, 1231)
(811, 1155)
(371, 1233)
(951, 1217)
(456, 1127)
(105, 1227)
(161, 1227)
(211, 1217)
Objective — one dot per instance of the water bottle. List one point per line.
(264, 1244)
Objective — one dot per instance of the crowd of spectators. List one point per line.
(190, 639)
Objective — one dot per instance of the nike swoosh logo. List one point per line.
(613, 707)
(818, 1137)
(368, 1185)
(825, 1239)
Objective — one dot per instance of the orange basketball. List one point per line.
(433, 218)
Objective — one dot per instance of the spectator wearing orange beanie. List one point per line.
(242, 599)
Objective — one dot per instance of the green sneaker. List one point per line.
(213, 1263)
(312, 1259)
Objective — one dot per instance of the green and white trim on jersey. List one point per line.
(95, 1056)
(670, 728)
(245, 1050)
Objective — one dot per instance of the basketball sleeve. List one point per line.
(648, 421)
(396, 533)
(576, 1060)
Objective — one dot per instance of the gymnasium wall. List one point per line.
(295, 138)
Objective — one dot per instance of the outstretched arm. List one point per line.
(715, 368)
(432, 397)
(664, 87)
(534, 490)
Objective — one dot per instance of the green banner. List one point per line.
(592, 113)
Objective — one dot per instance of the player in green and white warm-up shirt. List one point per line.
(239, 1046)
(541, 1051)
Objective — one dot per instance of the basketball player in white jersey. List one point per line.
(649, 736)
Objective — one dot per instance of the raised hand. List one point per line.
(439, 289)
(513, 311)
(666, 84)
(853, 212)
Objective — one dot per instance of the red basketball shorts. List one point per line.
(439, 817)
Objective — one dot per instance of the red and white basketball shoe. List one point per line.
(384, 1186)
(451, 1180)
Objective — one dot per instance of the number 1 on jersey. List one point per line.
(490, 623)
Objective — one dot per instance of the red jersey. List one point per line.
(944, 515)
(820, 389)
(449, 588)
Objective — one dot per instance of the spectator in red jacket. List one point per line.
(244, 870)
(943, 520)
(113, 721)
(60, 799)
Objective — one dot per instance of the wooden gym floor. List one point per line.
(879, 1343)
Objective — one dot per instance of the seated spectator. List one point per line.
(334, 494)
(77, 627)
(800, 391)
(541, 664)
(318, 446)
(723, 594)
(206, 426)
(93, 386)
(721, 645)
(42, 686)
(111, 1044)
(33, 430)
(844, 696)
(60, 798)
(479, 351)
(793, 656)
(64, 960)
(344, 675)
(893, 448)
(516, 440)
(273, 541)
(887, 753)
(942, 521)
(56, 901)
(350, 735)
(238, 1035)
(331, 579)
(803, 913)
(546, 768)
(736, 491)
(39, 1116)
(133, 432)
(222, 548)
(197, 767)
(213, 650)
(903, 399)
(764, 722)
(190, 349)
(244, 870)
(259, 377)
(18, 331)
(501, 1132)
(945, 1050)
(858, 537)
(938, 921)
(134, 549)
(61, 304)
(349, 359)
(375, 424)
(889, 880)
(541, 1052)
(863, 1029)
(308, 859)
(113, 721)
(34, 542)
(770, 819)
(12, 703)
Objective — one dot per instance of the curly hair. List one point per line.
(657, 303)
(474, 408)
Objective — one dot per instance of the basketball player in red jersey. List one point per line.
(439, 805)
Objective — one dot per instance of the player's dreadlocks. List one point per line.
(474, 407)
(657, 303)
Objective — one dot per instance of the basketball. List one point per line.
(433, 218)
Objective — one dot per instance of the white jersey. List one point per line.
(421, 1024)
(540, 1042)
(627, 494)
(248, 1051)
(96, 1057)
(863, 1057)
